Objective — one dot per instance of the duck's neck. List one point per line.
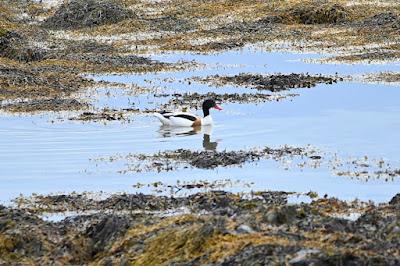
(206, 112)
(207, 121)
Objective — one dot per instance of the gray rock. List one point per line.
(395, 200)
(244, 229)
(302, 255)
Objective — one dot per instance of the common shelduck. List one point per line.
(185, 119)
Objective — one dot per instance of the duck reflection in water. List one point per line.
(167, 132)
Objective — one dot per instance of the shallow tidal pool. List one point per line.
(349, 123)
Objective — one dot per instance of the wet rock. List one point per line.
(395, 200)
(106, 231)
(321, 14)
(301, 257)
(244, 229)
(281, 215)
(87, 13)
(222, 229)
(338, 225)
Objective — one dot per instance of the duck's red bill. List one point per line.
(218, 107)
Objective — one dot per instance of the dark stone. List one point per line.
(107, 229)
(395, 200)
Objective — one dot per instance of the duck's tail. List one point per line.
(163, 120)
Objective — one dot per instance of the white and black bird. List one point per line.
(185, 119)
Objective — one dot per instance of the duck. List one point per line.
(186, 119)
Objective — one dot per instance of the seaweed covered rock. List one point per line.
(395, 200)
(23, 82)
(15, 46)
(221, 228)
(260, 255)
(273, 83)
(387, 19)
(87, 13)
(106, 232)
(321, 14)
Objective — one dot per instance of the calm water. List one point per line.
(350, 119)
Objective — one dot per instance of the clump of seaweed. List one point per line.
(218, 228)
(194, 100)
(15, 46)
(79, 14)
(330, 13)
(55, 105)
(208, 159)
(273, 83)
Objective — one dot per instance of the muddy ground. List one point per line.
(213, 228)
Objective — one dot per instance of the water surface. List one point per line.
(350, 119)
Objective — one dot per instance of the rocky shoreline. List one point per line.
(45, 64)
(214, 228)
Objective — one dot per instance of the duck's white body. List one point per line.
(183, 119)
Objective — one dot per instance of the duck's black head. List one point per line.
(208, 104)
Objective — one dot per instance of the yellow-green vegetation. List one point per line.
(219, 228)
(334, 24)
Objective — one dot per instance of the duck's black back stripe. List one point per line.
(188, 117)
